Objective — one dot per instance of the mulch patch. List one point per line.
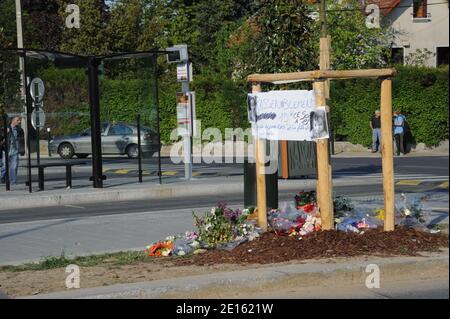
(271, 248)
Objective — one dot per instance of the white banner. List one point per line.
(286, 115)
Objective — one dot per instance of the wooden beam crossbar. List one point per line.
(320, 74)
(324, 182)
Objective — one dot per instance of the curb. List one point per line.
(237, 284)
(216, 186)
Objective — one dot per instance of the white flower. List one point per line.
(194, 244)
(170, 238)
(208, 226)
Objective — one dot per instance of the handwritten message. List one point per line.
(283, 115)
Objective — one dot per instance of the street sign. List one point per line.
(177, 53)
(183, 113)
(38, 119)
(186, 113)
(37, 90)
(184, 72)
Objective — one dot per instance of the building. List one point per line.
(420, 25)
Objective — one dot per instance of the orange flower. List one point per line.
(161, 248)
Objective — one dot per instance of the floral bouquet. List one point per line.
(161, 249)
(305, 198)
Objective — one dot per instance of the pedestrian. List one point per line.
(399, 132)
(375, 125)
(15, 147)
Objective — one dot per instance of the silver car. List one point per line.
(117, 139)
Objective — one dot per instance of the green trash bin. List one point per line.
(250, 190)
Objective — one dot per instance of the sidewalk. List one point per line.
(273, 279)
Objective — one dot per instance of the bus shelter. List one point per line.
(92, 68)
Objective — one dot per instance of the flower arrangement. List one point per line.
(216, 227)
(341, 205)
(160, 249)
(305, 198)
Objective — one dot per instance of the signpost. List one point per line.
(37, 90)
(185, 102)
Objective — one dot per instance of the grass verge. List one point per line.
(116, 259)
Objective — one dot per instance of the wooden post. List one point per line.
(325, 48)
(284, 160)
(324, 186)
(387, 154)
(260, 176)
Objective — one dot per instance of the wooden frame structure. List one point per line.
(320, 79)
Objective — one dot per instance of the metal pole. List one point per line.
(94, 105)
(38, 124)
(187, 138)
(27, 130)
(156, 95)
(6, 153)
(49, 137)
(138, 120)
(28, 143)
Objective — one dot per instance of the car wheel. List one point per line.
(82, 155)
(132, 151)
(65, 150)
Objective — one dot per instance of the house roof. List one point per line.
(386, 6)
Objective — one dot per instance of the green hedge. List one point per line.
(420, 93)
(219, 103)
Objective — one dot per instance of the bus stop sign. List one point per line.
(37, 90)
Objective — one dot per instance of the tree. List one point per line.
(277, 38)
(44, 25)
(353, 44)
(91, 37)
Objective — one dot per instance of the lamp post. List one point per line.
(21, 66)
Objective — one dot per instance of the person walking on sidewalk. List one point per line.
(399, 132)
(15, 147)
(375, 125)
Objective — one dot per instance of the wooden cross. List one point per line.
(324, 186)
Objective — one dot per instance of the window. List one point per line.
(442, 56)
(120, 129)
(420, 9)
(104, 127)
(397, 56)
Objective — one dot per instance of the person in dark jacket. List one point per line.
(15, 148)
(375, 125)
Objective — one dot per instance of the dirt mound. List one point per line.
(270, 248)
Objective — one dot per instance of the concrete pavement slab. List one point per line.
(239, 284)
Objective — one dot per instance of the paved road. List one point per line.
(129, 207)
(119, 167)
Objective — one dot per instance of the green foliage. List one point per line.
(283, 44)
(420, 93)
(51, 262)
(353, 44)
(91, 37)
